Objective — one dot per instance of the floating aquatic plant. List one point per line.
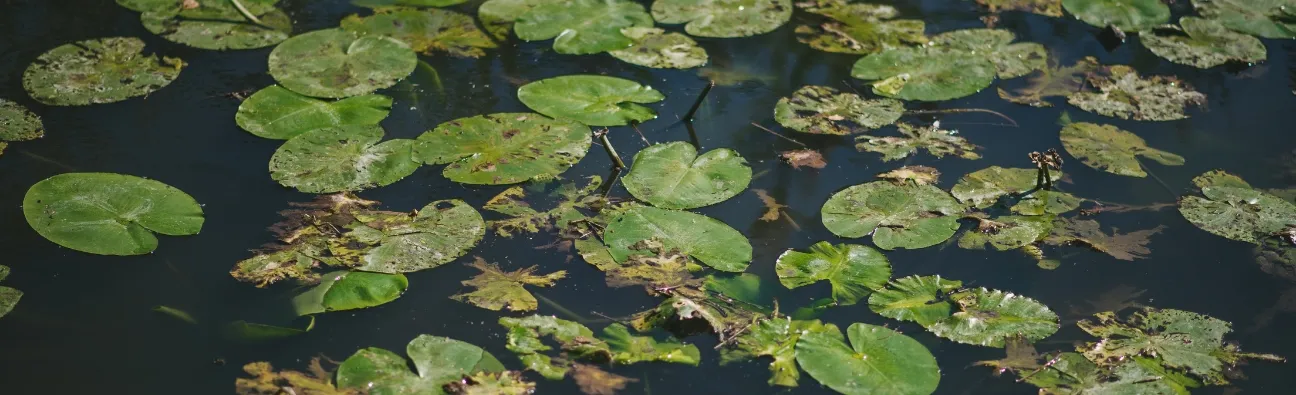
(858, 28)
(1203, 43)
(724, 18)
(656, 48)
(937, 141)
(580, 27)
(1230, 208)
(336, 63)
(427, 31)
(342, 158)
(897, 216)
(1011, 60)
(9, 297)
(109, 214)
(925, 74)
(217, 24)
(1122, 93)
(674, 176)
(823, 110)
(854, 270)
(895, 363)
(591, 99)
(722, 247)
(439, 361)
(496, 289)
(1126, 15)
(278, 113)
(503, 148)
(1110, 149)
(105, 70)
(1264, 18)
(18, 124)
(345, 290)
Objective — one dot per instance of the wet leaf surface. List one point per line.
(406, 3)
(857, 28)
(1264, 18)
(591, 99)
(724, 18)
(335, 63)
(487, 383)
(775, 338)
(9, 297)
(1203, 43)
(990, 317)
(427, 31)
(582, 27)
(342, 158)
(703, 238)
(876, 360)
(658, 49)
(824, 110)
(804, 157)
(937, 141)
(1051, 82)
(277, 113)
(525, 338)
(343, 290)
(982, 188)
(437, 361)
(898, 216)
(925, 74)
(1007, 232)
(674, 176)
(105, 70)
(1230, 208)
(497, 16)
(109, 214)
(496, 289)
(1127, 15)
(265, 380)
(17, 123)
(218, 25)
(1010, 60)
(503, 148)
(1122, 93)
(595, 381)
(921, 299)
(628, 349)
(1110, 149)
(854, 270)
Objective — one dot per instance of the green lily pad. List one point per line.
(700, 237)
(344, 290)
(1203, 43)
(898, 216)
(925, 74)
(105, 70)
(19, 124)
(1071, 373)
(1229, 210)
(497, 16)
(8, 296)
(1126, 15)
(1123, 94)
(218, 25)
(524, 339)
(1264, 18)
(858, 28)
(823, 110)
(484, 383)
(1051, 8)
(877, 360)
(655, 48)
(439, 233)
(1042, 202)
(627, 349)
(582, 27)
(1010, 60)
(406, 3)
(427, 31)
(775, 338)
(497, 289)
(335, 63)
(1110, 149)
(503, 148)
(990, 317)
(437, 361)
(921, 299)
(109, 214)
(982, 188)
(593, 100)
(937, 141)
(277, 113)
(853, 270)
(674, 176)
(1007, 232)
(149, 5)
(342, 158)
(724, 18)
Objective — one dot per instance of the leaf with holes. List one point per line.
(1122, 93)
(775, 338)
(1230, 208)
(853, 270)
(936, 141)
(427, 31)
(105, 70)
(1011, 60)
(504, 148)
(990, 317)
(982, 188)
(898, 216)
(655, 48)
(823, 110)
(858, 28)
(497, 289)
(703, 238)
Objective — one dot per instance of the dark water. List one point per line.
(85, 324)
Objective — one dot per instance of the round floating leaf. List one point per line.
(878, 360)
(277, 113)
(1203, 43)
(1007, 232)
(109, 214)
(1011, 60)
(703, 238)
(724, 18)
(216, 24)
(982, 188)
(1110, 149)
(442, 231)
(344, 290)
(926, 74)
(497, 16)
(1235, 212)
(1051, 8)
(336, 63)
(582, 27)
(853, 270)
(1264, 18)
(342, 158)
(427, 31)
(938, 142)
(989, 317)
(653, 47)
(1123, 94)
(19, 124)
(920, 299)
(858, 28)
(1043, 202)
(105, 70)
(898, 216)
(591, 99)
(673, 175)
(504, 148)
(1126, 15)
(437, 360)
(406, 3)
(823, 110)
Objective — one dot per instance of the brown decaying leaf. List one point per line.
(920, 175)
(1020, 356)
(497, 289)
(1052, 82)
(595, 381)
(265, 381)
(773, 209)
(1115, 208)
(804, 157)
(1126, 247)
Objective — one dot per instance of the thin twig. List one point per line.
(758, 126)
(635, 125)
(607, 146)
(963, 110)
(1173, 195)
(688, 117)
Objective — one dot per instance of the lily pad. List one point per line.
(218, 25)
(582, 27)
(776, 338)
(342, 158)
(591, 99)
(627, 349)
(724, 18)
(1051, 8)
(1126, 15)
(1203, 43)
(9, 297)
(991, 317)
(344, 290)
(1123, 246)
(858, 28)
(921, 299)
(436, 234)
(1123, 94)
(483, 383)
(982, 188)
(437, 360)
(1007, 232)
(1110, 149)
(277, 113)
(406, 3)
(898, 216)
(1044, 202)
(918, 175)
(877, 360)
(497, 16)
(700, 237)
(525, 339)
(497, 289)
(1235, 212)
(504, 148)
(655, 48)
(525, 219)
(674, 176)
(105, 70)
(19, 124)
(335, 63)
(925, 74)
(427, 31)
(822, 110)
(853, 270)
(937, 141)
(1264, 18)
(109, 214)
(1010, 60)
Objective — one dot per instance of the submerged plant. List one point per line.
(824, 110)
(497, 289)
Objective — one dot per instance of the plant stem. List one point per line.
(248, 14)
(758, 126)
(607, 146)
(963, 110)
(688, 117)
